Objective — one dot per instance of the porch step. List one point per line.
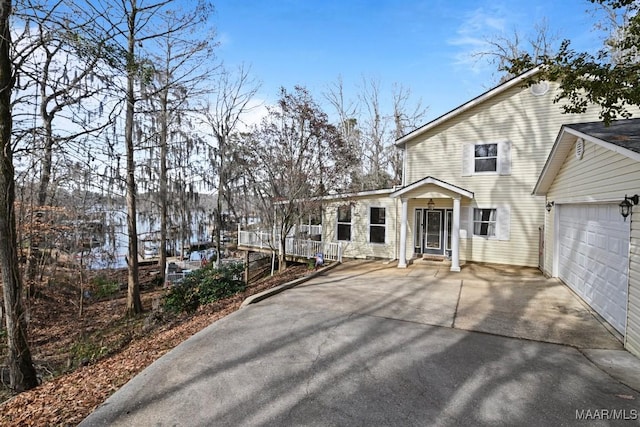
(434, 259)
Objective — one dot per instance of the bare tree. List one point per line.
(22, 374)
(500, 49)
(375, 135)
(616, 21)
(407, 116)
(298, 155)
(133, 24)
(183, 63)
(369, 131)
(222, 116)
(608, 78)
(348, 125)
(61, 79)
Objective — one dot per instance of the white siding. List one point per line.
(359, 246)
(601, 175)
(632, 338)
(530, 123)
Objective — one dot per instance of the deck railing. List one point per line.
(311, 229)
(304, 248)
(257, 239)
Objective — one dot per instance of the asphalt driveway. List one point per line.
(367, 344)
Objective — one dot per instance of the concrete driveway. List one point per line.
(368, 344)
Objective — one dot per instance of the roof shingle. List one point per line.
(623, 133)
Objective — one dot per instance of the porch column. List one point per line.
(402, 259)
(455, 238)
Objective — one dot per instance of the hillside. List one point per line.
(84, 359)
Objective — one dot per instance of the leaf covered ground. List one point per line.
(85, 358)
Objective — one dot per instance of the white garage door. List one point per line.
(594, 258)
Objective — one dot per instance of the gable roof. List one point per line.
(621, 136)
(623, 133)
(518, 80)
(438, 183)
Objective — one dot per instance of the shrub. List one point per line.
(87, 350)
(205, 285)
(105, 287)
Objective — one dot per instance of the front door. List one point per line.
(429, 226)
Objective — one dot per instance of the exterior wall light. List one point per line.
(549, 206)
(626, 205)
(430, 205)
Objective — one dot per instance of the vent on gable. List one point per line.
(579, 148)
(539, 88)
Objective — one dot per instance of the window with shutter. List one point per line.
(486, 158)
(484, 222)
(490, 223)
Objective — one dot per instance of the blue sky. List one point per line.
(424, 45)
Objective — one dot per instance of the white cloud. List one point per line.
(224, 39)
(256, 111)
(477, 26)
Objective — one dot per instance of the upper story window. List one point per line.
(344, 223)
(377, 225)
(486, 158)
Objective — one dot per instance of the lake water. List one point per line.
(113, 252)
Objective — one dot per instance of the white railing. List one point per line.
(295, 247)
(311, 229)
(257, 239)
(309, 248)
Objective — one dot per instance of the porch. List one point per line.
(297, 248)
(435, 229)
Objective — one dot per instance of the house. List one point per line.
(591, 181)
(467, 184)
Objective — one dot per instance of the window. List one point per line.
(487, 223)
(377, 227)
(484, 222)
(486, 158)
(344, 222)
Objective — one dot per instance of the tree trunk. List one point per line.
(221, 183)
(22, 374)
(163, 186)
(34, 254)
(282, 254)
(134, 304)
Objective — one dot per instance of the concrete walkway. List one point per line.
(369, 344)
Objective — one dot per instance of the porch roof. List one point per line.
(429, 180)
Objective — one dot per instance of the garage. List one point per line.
(591, 229)
(593, 257)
